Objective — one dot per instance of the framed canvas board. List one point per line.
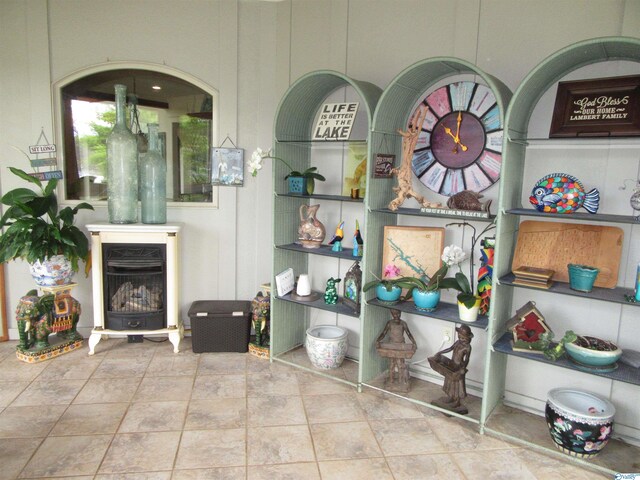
(227, 167)
(355, 170)
(414, 250)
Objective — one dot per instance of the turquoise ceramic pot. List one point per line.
(582, 277)
(387, 296)
(426, 301)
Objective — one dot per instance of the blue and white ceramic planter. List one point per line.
(580, 423)
(388, 296)
(426, 301)
(52, 271)
(326, 346)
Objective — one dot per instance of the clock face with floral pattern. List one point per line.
(460, 143)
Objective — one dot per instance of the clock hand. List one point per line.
(456, 139)
(459, 121)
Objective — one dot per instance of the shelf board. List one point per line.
(588, 217)
(613, 295)
(339, 307)
(323, 143)
(324, 250)
(624, 373)
(445, 311)
(319, 196)
(463, 214)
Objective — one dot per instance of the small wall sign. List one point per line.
(44, 176)
(335, 121)
(383, 165)
(600, 107)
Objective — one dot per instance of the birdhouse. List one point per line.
(527, 327)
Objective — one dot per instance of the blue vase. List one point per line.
(298, 185)
(426, 301)
(387, 296)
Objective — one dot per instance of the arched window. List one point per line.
(186, 114)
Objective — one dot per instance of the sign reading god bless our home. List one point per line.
(597, 108)
(335, 121)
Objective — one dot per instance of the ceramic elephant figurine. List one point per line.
(27, 313)
(261, 307)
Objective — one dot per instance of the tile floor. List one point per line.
(138, 411)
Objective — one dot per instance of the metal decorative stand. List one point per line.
(39, 316)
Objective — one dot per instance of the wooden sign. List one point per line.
(44, 176)
(384, 162)
(597, 108)
(35, 149)
(335, 121)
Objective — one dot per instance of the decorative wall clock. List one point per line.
(460, 146)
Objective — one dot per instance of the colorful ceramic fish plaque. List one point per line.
(563, 193)
(600, 107)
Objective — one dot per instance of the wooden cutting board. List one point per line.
(554, 245)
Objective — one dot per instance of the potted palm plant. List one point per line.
(42, 234)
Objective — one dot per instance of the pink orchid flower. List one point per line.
(391, 271)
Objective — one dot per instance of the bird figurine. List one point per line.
(358, 242)
(336, 240)
(562, 193)
(468, 200)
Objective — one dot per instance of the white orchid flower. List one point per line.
(453, 255)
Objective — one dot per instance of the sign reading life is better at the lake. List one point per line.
(335, 121)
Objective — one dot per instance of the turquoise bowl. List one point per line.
(582, 277)
(426, 301)
(593, 358)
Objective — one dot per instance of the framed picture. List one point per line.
(600, 107)
(352, 285)
(384, 162)
(284, 282)
(414, 250)
(227, 167)
(355, 170)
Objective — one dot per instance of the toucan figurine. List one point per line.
(358, 242)
(336, 240)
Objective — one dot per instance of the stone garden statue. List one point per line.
(397, 350)
(454, 370)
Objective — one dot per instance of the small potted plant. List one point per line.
(299, 182)
(40, 233)
(387, 288)
(424, 290)
(468, 301)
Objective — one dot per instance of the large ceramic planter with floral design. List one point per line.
(580, 423)
(52, 271)
(469, 314)
(388, 296)
(326, 346)
(426, 300)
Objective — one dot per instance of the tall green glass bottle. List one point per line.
(122, 166)
(153, 181)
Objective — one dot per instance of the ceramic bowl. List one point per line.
(580, 423)
(326, 346)
(591, 357)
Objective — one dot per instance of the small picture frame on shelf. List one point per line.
(285, 281)
(355, 171)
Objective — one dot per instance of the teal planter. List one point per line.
(387, 296)
(426, 301)
(298, 185)
(582, 277)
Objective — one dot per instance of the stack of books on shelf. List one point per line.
(533, 277)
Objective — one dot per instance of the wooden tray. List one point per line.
(554, 245)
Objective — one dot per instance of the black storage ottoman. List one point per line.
(220, 325)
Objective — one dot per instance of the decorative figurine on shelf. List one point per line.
(529, 330)
(454, 370)
(563, 193)
(405, 190)
(260, 313)
(352, 288)
(468, 200)
(358, 242)
(331, 292)
(38, 317)
(485, 273)
(398, 351)
(336, 240)
(311, 231)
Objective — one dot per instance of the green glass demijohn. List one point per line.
(153, 181)
(122, 166)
